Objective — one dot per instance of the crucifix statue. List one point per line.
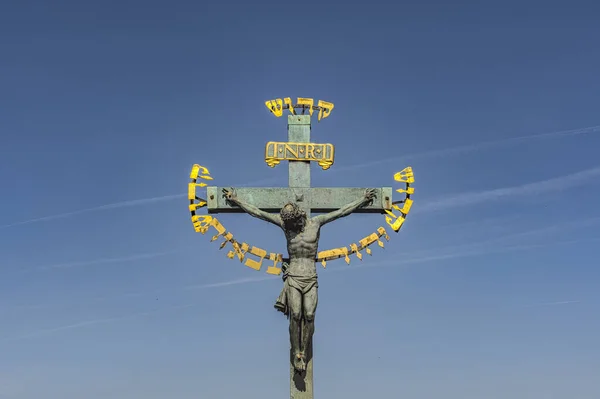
(290, 208)
(298, 299)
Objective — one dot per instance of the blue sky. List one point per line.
(490, 290)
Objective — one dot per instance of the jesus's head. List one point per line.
(293, 216)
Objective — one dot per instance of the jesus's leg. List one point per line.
(294, 298)
(310, 301)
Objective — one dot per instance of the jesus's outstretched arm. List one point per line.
(250, 209)
(347, 209)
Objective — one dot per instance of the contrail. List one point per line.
(115, 205)
(105, 260)
(554, 184)
(453, 248)
(94, 322)
(342, 269)
(471, 147)
(551, 304)
(231, 282)
(121, 204)
(431, 153)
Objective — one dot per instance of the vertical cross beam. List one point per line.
(301, 385)
(299, 171)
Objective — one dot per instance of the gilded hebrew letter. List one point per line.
(275, 106)
(324, 109)
(227, 236)
(308, 103)
(201, 223)
(405, 176)
(219, 227)
(261, 253)
(288, 101)
(354, 249)
(276, 258)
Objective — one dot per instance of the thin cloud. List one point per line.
(94, 322)
(231, 282)
(471, 147)
(115, 205)
(129, 258)
(552, 304)
(555, 184)
(122, 204)
(415, 256)
(432, 153)
(459, 254)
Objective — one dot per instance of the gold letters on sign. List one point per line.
(277, 106)
(321, 153)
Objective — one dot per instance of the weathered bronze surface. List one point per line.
(290, 209)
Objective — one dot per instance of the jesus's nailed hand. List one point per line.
(230, 195)
(370, 195)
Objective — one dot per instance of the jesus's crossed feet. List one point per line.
(299, 362)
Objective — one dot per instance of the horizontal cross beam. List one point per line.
(319, 199)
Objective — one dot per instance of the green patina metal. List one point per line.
(315, 200)
(299, 190)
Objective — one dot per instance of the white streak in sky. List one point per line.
(105, 260)
(231, 282)
(554, 184)
(434, 153)
(115, 205)
(471, 147)
(458, 254)
(552, 303)
(93, 322)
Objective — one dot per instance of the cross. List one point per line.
(311, 200)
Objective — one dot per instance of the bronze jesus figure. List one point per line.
(298, 298)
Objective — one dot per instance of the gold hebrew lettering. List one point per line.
(194, 207)
(196, 170)
(406, 208)
(201, 223)
(354, 249)
(370, 239)
(330, 254)
(192, 189)
(219, 227)
(409, 190)
(395, 224)
(288, 101)
(308, 103)
(324, 109)
(276, 258)
(260, 253)
(237, 250)
(275, 106)
(228, 237)
(405, 175)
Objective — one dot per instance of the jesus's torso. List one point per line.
(302, 249)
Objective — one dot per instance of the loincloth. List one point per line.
(292, 282)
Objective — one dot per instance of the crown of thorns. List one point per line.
(291, 211)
